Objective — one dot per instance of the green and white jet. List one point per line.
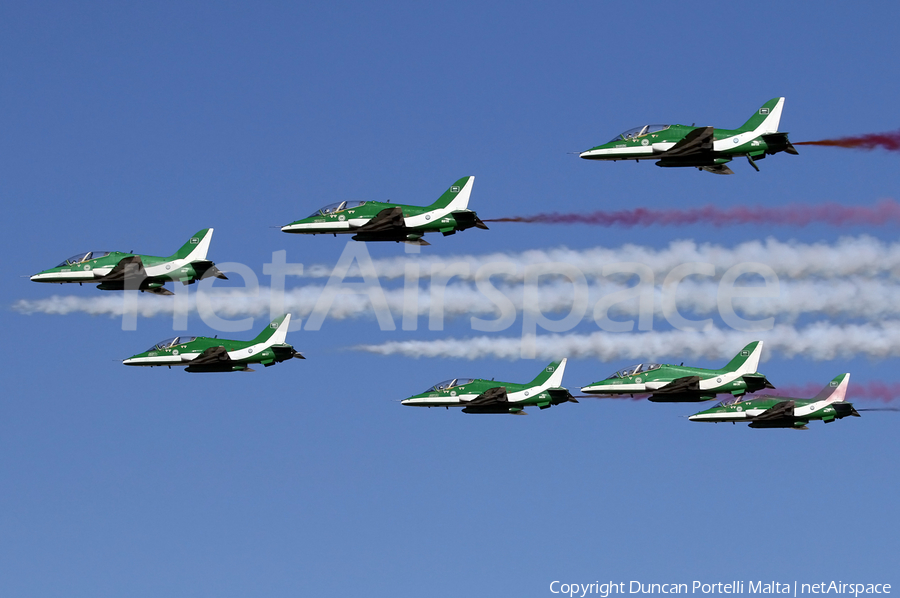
(679, 384)
(204, 354)
(386, 221)
(770, 411)
(706, 148)
(488, 396)
(118, 271)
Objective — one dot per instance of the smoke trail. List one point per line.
(848, 298)
(820, 341)
(863, 255)
(874, 391)
(888, 141)
(886, 211)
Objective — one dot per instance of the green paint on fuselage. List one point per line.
(202, 353)
(117, 270)
(679, 383)
(389, 221)
(685, 146)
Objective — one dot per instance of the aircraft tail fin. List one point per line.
(457, 196)
(836, 390)
(276, 332)
(747, 360)
(196, 247)
(766, 119)
(552, 375)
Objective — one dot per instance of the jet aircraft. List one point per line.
(117, 270)
(385, 221)
(204, 354)
(705, 148)
(770, 411)
(676, 383)
(488, 396)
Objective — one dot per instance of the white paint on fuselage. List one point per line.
(653, 385)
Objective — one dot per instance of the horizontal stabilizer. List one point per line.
(207, 269)
(560, 395)
(778, 142)
(756, 382)
(467, 219)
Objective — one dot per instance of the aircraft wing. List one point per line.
(493, 400)
(697, 142)
(387, 220)
(490, 397)
(778, 411)
(129, 268)
(678, 390)
(212, 356)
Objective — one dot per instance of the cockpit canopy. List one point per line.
(635, 369)
(727, 401)
(448, 384)
(333, 208)
(171, 342)
(83, 257)
(639, 132)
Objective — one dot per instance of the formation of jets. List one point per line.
(546, 390)
(706, 148)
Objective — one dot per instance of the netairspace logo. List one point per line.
(605, 589)
(820, 300)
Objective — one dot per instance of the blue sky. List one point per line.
(133, 126)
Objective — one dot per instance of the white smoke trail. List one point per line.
(849, 298)
(819, 342)
(849, 256)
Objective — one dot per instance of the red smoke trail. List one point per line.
(859, 391)
(885, 211)
(888, 141)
